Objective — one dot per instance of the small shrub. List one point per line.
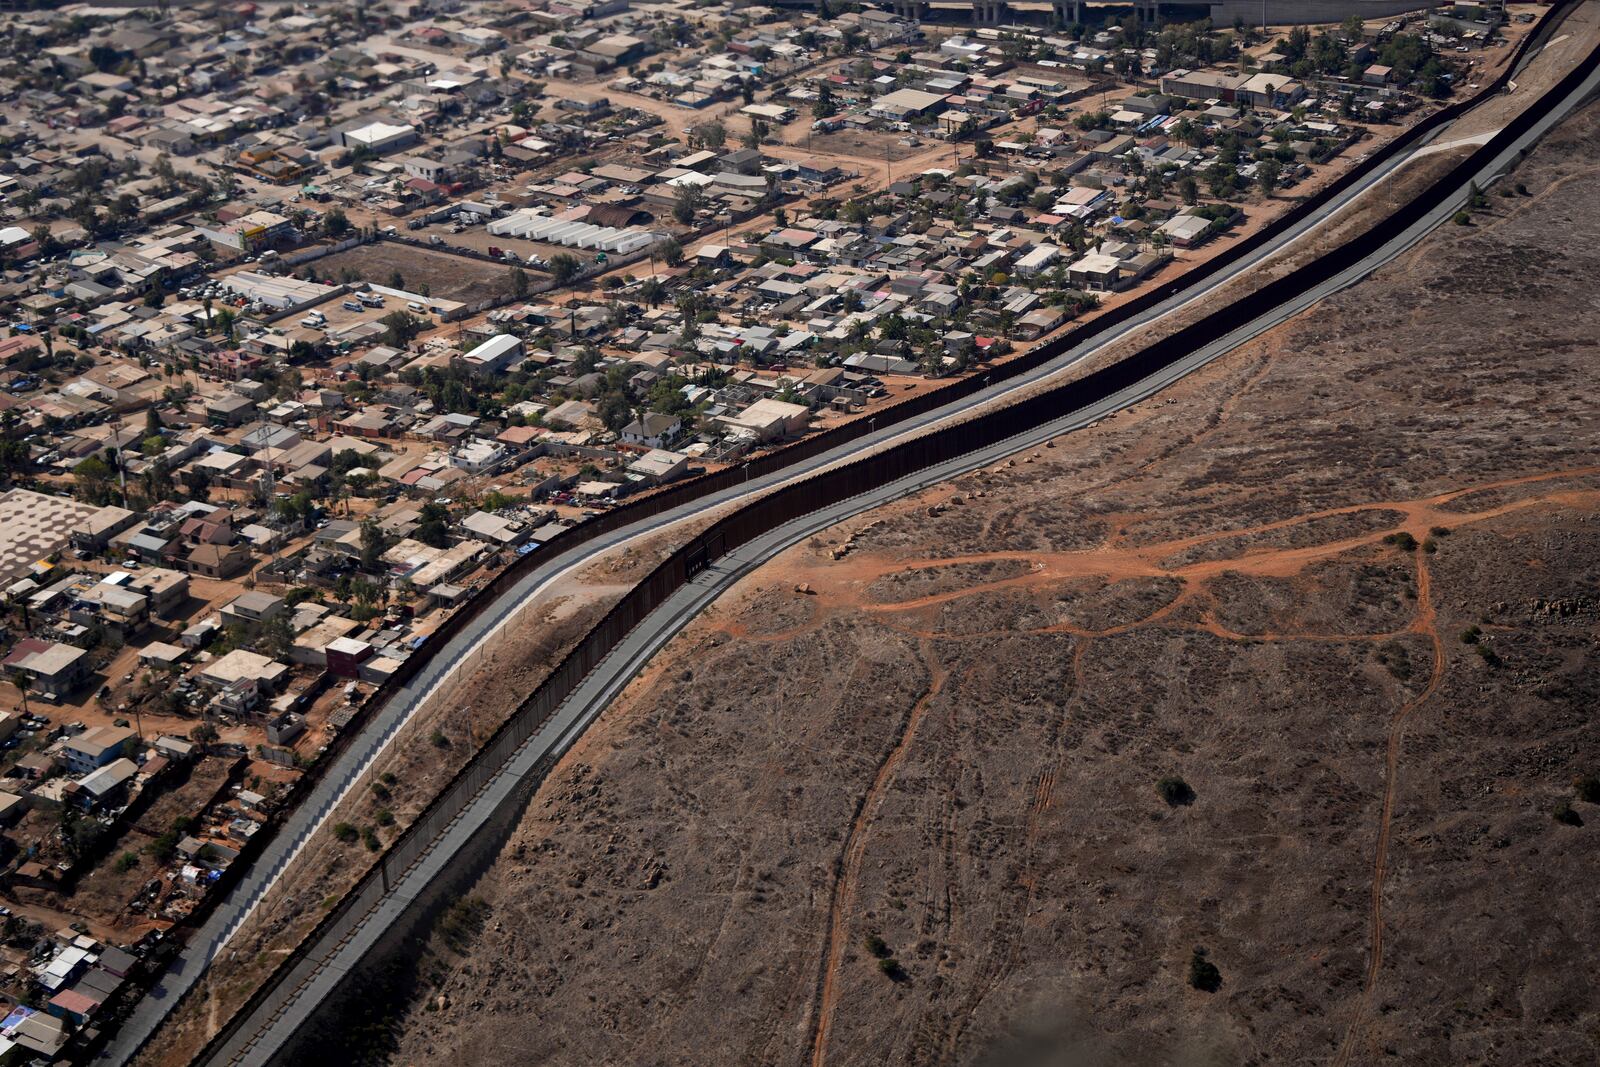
(1175, 791)
(1470, 635)
(164, 847)
(388, 778)
(384, 816)
(877, 946)
(1440, 531)
(892, 970)
(1203, 974)
(1488, 655)
(380, 790)
(438, 739)
(127, 862)
(1402, 540)
(1429, 545)
(1462, 219)
(461, 923)
(1564, 815)
(370, 838)
(345, 832)
(1588, 789)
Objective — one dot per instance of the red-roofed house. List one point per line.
(73, 1006)
(519, 435)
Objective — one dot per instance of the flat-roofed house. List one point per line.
(1201, 84)
(95, 748)
(241, 663)
(768, 419)
(1277, 91)
(903, 105)
(53, 670)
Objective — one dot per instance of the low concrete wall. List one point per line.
(1308, 12)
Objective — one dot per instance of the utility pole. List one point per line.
(122, 474)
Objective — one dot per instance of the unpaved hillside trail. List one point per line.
(1427, 622)
(1146, 561)
(1418, 518)
(855, 847)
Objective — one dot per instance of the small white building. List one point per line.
(379, 137)
(477, 455)
(1038, 259)
(494, 355)
(768, 419)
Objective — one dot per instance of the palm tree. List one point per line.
(23, 681)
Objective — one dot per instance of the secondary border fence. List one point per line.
(424, 668)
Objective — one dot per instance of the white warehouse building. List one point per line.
(532, 226)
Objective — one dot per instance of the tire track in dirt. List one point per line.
(855, 847)
(1427, 622)
(843, 583)
(1043, 792)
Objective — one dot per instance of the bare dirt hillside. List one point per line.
(1338, 595)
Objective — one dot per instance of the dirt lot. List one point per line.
(948, 756)
(447, 277)
(867, 144)
(480, 239)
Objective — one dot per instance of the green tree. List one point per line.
(23, 681)
(336, 223)
(93, 477)
(711, 134)
(401, 327)
(826, 106)
(434, 527)
(564, 266)
(1268, 171)
(373, 545)
(687, 201)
